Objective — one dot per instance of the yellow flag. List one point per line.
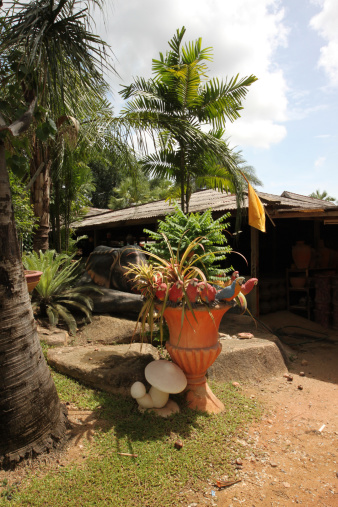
(256, 210)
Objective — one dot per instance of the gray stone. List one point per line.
(112, 368)
(247, 360)
(109, 330)
(53, 337)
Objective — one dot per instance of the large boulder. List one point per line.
(112, 368)
(109, 330)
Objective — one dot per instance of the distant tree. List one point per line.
(138, 189)
(323, 196)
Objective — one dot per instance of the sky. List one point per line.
(288, 130)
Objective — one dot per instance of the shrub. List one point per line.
(181, 230)
(54, 295)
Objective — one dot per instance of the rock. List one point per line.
(109, 330)
(53, 337)
(301, 374)
(273, 465)
(239, 461)
(286, 485)
(304, 362)
(247, 360)
(113, 368)
(178, 444)
(245, 336)
(236, 384)
(300, 387)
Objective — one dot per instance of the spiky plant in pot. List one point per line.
(55, 296)
(160, 277)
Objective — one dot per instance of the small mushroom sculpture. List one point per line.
(165, 378)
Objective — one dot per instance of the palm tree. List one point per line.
(323, 196)
(177, 102)
(31, 416)
(58, 59)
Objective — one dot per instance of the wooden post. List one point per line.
(254, 268)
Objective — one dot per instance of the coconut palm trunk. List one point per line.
(40, 198)
(32, 418)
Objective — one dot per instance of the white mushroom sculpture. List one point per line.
(165, 378)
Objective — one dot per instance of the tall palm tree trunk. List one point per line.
(32, 419)
(40, 198)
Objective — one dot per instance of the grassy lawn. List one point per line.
(160, 475)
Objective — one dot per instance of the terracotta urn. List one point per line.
(301, 254)
(194, 345)
(32, 279)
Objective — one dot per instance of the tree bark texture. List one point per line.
(32, 419)
(40, 198)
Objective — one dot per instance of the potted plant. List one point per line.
(177, 290)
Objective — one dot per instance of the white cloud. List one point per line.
(257, 133)
(325, 23)
(243, 34)
(320, 162)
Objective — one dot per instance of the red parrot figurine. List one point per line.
(207, 292)
(161, 291)
(192, 290)
(176, 292)
(248, 286)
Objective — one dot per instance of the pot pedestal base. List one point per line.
(201, 397)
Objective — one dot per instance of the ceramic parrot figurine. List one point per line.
(248, 286)
(241, 302)
(176, 292)
(230, 292)
(192, 290)
(234, 275)
(207, 292)
(161, 291)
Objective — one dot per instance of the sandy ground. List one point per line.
(295, 457)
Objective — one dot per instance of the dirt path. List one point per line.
(295, 458)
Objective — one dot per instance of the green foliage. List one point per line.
(23, 211)
(138, 189)
(175, 104)
(54, 295)
(181, 229)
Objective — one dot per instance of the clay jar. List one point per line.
(301, 254)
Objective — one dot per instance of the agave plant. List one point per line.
(54, 295)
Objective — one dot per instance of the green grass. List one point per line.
(160, 475)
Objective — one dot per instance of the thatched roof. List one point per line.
(199, 202)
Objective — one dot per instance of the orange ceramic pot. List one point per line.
(301, 254)
(194, 346)
(32, 279)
